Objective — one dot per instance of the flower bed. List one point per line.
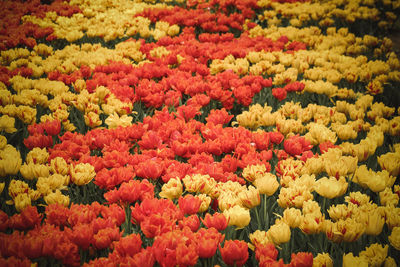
(199, 133)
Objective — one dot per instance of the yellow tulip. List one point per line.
(172, 189)
(37, 156)
(322, 260)
(375, 254)
(394, 238)
(292, 217)
(59, 165)
(237, 216)
(21, 201)
(250, 198)
(279, 233)
(349, 260)
(82, 173)
(266, 184)
(331, 187)
(57, 197)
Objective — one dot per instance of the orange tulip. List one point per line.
(234, 252)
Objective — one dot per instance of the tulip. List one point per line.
(302, 259)
(189, 204)
(267, 184)
(172, 189)
(234, 252)
(82, 173)
(279, 233)
(237, 216)
(217, 221)
(252, 172)
(292, 217)
(322, 260)
(250, 198)
(349, 261)
(331, 187)
(375, 254)
(258, 238)
(59, 165)
(394, 237)
(388, 198)
(191, 221)
(128, 245)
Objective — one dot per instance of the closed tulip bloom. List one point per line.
(21, 201)
(312, 223)
(390, 262)
(253, 172)
(128, 245)
(198, 183)
(57, 197)
(238, 216)
(394, 238)
(322, 260)
(205, 202)
(374, 220)
(349, 260)
(279, 233)
(207, 242)
(228, 199)
(348, 230)
(292, 217)
(375, 254)
(392, 216)
(189, 204)
(192, 222)
(37, 156)
(266, 184)
(105, 237)
(2, 185)
(234, 252)
(217, 221)
(258, 237)
(376, 181)
(340, 211)
(311, 207)
(250, 198)
(82, 235)
(7, 124)
(331, 187)
(388, 198)
(266, 251)
(302, 259)
(82, 173)
(59, 165)
(172, 189)
(294, 196)
(10, 162)
(31, 171)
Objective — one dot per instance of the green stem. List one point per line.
(266, 213)
(83, 255)
(257, 217)
(85, 200)
(127, 225)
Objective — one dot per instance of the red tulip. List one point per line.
(301, 259)
(128, 245)
(234, 252)
(279, 93)
(189, 204)
(217, 220)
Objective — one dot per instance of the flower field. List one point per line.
(199, 133)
